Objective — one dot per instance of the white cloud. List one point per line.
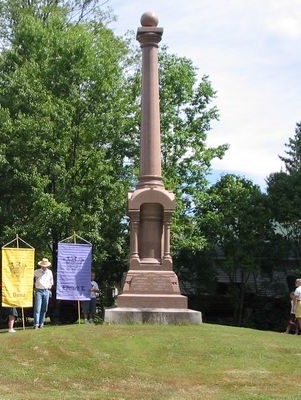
(251, 51)
(289, 26)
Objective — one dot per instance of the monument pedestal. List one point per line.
(152, 297)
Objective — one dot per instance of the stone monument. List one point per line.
(151, 290)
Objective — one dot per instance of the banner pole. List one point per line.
(78, 309)
(78, 302)
(23, 321)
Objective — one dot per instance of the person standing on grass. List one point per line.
(89, 306)
(12, 315)
(292, 323)
(43, 284)
(297, 303)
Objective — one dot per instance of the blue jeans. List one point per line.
(40, 306)
(89, 306)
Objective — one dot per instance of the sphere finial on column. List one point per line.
(149, 18)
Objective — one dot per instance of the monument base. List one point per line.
(152, 301)
(164, 316)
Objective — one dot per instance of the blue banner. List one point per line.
(74, 271)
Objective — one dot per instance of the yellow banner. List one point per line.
(17, 277)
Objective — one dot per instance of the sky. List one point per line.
(251, 51)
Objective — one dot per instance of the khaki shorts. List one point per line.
(298, 309)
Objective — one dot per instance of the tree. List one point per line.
(293, 160)
(236, 223)
(284, 193)
(64, 131)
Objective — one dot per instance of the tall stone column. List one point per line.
(150, 148)
(150, 290)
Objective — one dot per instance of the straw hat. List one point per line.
(44, 263)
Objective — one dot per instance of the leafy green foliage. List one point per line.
(236, 221)
(237, 225)
(284, 192)
(293, 159)
(64, 101)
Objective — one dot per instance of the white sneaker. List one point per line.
(86, 321)
(11, 330)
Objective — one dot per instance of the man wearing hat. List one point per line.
(43, 284)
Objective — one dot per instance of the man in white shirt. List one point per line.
(43, 284)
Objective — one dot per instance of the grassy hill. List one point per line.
(149, 362)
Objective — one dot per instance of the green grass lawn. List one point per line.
(149, 362)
